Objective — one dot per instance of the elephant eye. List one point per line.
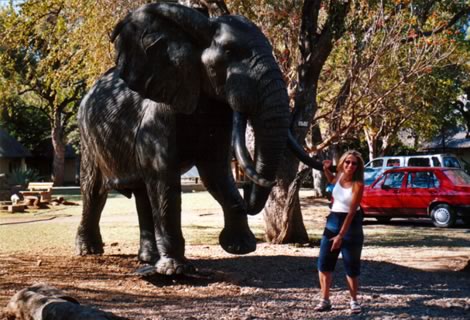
(230, 50)
(235, 52)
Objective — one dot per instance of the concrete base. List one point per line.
(16, 208)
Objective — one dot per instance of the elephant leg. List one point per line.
(148, 248)
(94, 195)
(165, 199)
(236, 237)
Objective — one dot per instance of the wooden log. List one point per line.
(42, 302)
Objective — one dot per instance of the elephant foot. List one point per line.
(148, 255)
(170, 266)
(237, 241)
(86, 246)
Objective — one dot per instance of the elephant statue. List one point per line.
(182, 83)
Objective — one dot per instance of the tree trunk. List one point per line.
(305, 107)
(289, 226)
(371, 139)
(282, 214)
(283, 202)
(386, 143)
(58, 164)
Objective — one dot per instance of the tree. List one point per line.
(41, 65)
(343, 49)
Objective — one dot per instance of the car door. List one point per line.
(421, 188)
(383, 197)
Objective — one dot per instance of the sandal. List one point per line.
(355, 307)
(323, 305)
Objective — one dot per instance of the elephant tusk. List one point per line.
(300, 153)
(242, 154)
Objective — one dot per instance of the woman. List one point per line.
(343, 231)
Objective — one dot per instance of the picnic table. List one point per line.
(38, 190)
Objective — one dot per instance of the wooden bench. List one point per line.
(41, 190)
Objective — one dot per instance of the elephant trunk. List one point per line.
(270, 126)
(300, 153)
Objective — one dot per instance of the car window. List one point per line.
(436, 162)
(419, 162)
(393, 180)
(393, 162)
(424, 179)
(458, 177)
(377, 163)
(379, 183)
(451, 162)
(370, 175)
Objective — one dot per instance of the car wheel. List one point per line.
(383, 219)
(443, 216)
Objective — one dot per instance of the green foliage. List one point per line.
(29, 125)
(24, 176)
(437, 93)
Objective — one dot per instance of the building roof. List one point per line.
(45, 149)
(10, 147)
(457, 141)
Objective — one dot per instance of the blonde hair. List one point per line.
(358, 175)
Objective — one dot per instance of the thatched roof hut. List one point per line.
(11, 148)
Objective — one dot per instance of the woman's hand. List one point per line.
(337, 241)
(327, 164)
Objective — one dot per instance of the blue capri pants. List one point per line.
(351, 246)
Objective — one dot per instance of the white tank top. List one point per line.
(342, 198)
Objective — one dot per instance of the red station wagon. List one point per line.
(443, 194)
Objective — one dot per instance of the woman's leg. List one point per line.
(325, 284)
(351, 251)
(353, 286)
(326, 264)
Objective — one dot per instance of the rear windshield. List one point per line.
(451, 162)
(458, 177)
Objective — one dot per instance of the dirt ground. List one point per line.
(411, 270)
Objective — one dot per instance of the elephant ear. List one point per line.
(158, 59)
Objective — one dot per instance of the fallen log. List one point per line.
(43, 302)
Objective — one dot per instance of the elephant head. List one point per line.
(173, 54)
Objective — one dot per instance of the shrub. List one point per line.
(24, 176)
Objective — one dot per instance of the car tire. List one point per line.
(383, 219)
(443, 216)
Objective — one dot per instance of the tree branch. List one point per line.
(419, 34)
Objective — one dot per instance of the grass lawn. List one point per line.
(54, 228)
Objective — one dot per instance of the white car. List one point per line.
(446, 160)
